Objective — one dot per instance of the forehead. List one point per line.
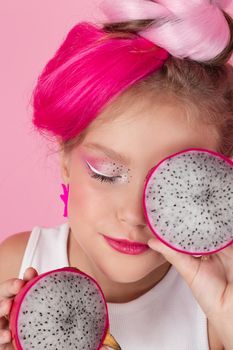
(147, 131)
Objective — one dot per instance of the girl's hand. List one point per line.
(8, 290)
(211, 282)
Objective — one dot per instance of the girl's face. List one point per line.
(140, 139)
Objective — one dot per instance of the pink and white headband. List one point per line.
(196, 29)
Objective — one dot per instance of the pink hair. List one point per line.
(85, 74)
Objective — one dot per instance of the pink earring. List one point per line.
(64, 197)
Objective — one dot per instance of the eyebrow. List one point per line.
(109, 152)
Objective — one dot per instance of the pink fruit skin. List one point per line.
(14, 312)
(144, 200)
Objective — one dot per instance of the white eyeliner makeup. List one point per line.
(110, 169)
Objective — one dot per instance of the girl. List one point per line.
(152, 81)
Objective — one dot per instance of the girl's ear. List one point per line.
(64, 158)
(65, 166)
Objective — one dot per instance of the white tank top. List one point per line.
(167, 317)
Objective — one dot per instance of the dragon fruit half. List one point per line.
(188, 201)
(61, 309)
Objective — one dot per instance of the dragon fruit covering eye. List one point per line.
(61, 309)
(188, 201)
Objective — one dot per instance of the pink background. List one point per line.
(30, 182)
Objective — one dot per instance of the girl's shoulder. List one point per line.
(11, 254)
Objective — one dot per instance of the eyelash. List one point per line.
(104, 178)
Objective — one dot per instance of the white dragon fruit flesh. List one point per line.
(188, 201)
(61, 309)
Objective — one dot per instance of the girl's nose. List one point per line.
(131, 211)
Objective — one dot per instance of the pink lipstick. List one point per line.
(126, 247)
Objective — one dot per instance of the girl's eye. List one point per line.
(100, 177)
(104, 178)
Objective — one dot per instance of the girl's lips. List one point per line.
(126, 242)
(126, 247)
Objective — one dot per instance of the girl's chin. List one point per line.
(133, 274)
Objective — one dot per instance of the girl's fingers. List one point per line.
(5, 307)
(225, 256)
(228, 252)
(10, 288)
(30, 273)
(3, 323)
(185, 264)
(5, 336)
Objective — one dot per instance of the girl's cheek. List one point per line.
(82, 198)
